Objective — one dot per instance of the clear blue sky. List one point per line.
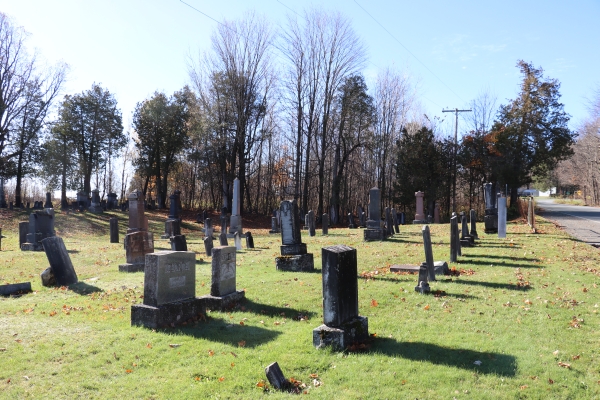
(459, 48)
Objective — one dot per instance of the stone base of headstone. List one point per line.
(178, 243)
(32, 247)
(96, 208)
(235, 225)
(15, 289)
(223, 303)
(419, 221)
(293, 249)
(166, 315)
(371, 234)
(296, 263)
(422, 287)
(339, 338)
(490, 223)
(137, 267)
(273, 232)
(466, 242)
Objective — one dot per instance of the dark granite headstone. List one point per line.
(178, 243)
(473, 221)
(249, 240)
(60, 262)
(276, 377)
(428, 253)
(48, 201)
(223, 238)
(311, 223)
(114, 230)
(453, 240)
(208, 245)
(374, 231)
(294, 256)
(325, 224)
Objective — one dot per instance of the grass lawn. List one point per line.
(520, 321)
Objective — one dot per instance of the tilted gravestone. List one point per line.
(41, 226)
(61, 271)
(420, 213)
(342, 325)
(223, 292)
(235, 221)
(502, 217)
(276, 377)
(374, 230)
(169, 290)
(237, 241)
(473, 221)
(490, 219)
(294, 256)
(114, 230)
(138, 241)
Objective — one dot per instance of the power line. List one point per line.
(409, 52)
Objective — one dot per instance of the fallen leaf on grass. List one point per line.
(314, 376)
(550, 381)
(564, 365)
(242, 343)
(52, 313)
(211, 353)
(233, 364)
(233, 354)
(524, 387)
(426, 307)
(128, 371)
(149, 345)
(555, 352)
(221, 379)
(374, 303)
(2, 348)
(576, 357)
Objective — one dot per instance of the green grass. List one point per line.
(521, 306)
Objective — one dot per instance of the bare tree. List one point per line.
(484, 108)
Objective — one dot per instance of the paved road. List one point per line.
(579, 221)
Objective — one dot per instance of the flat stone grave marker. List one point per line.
(12, 289)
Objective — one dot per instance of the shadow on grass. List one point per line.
(514, 246)
(227, 332)
(268, 310)
(505, 264)
(500, 257)
(491, 363)
(493, 285)
(83, 288)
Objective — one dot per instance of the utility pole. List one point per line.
(455, 111)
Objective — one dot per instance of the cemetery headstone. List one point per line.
(311, 223)
(235, 222)
(436, 214)
(351, 223)
(223, 238)
(2, 194)
(473, 220)
(402, 218)
(465, 240)
(15, 289)
(223, 292)
(490, 220)
(453, 240)
(96, 207)
(23, 230)
(41, 226)
(502, 217)
(61, 269)
(374, 231)
(294, 256)
(305, 222)
(362, 220)
(325, 224)
(114, 230)
(237, 241)
(395, 220)
(389, 223)
(111, 202)
(178, 243)
(274, 225)
(342, 325)
(208, 228)
(276, 377)
(249, 240)
(138, 241)
(48, 201)
(423, 285)
(419, 214)
(172, 224)
(208, 245)
(428, 253)
(169, 290)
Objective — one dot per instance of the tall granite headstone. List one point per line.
(502, 217)
(473, 221)
(96, 207)
(342, 325)
(48, 203)
(374, 230)
(311, 223)
(114, 230)
(420, 213)
(41, 226)
(453, 240)
(490, 220)
(138, 241)
(395, 220)
(294, 256)
(235, 221)
(325, 224)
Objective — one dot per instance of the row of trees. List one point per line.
(307, 127)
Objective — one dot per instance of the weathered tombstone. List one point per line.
(235, 222)
(473, 220)
(457, 236)
(208, 245)
(428, 253)
(208, 228)
(311, 223)
(111, 202)
(172, 224)
(114, 230)
(82, 200)
(294, 256)
(325, 224)
(178, 243)
(422, 286)
(274, 225)
(465, 239)
(490, 219)
(362, 220)
(2, 194)
(223, 239)
(169, 290)
(395, 220)
(15, 289)
(41, 226)
(276, 377)
(199, 218)
(502, 217)
(453, 241)
(48, 201)
(374, 231)
(61, 269)
(305, 222)
(96, 207)
(436, 214)
(342, 325)
(237, 241)
(389, 224)
(23, 230)
(351, 224)
(419, 214)
(402, 218)
(223, 293)
(529, 203)
(249, 240)
(138, 241)
(533, 229)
